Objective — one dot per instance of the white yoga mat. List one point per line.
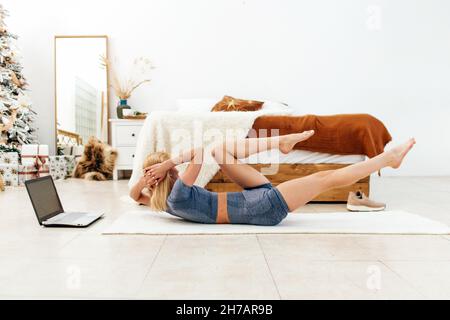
(389, 222)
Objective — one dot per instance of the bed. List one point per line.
(340, 140)
(296, 164)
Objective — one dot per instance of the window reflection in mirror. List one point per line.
(81, 85)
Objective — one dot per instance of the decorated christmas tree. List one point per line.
(16, 115)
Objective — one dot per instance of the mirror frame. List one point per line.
(55, 84)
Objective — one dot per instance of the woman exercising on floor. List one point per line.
(260, 203)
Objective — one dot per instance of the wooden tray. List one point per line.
(139, 117)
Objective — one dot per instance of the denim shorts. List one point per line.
(263, 205)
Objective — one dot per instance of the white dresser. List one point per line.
(124, 137)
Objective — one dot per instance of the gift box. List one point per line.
(30, 172)
(27, 172)
(71, 150)
(58, 167)
(34, 154)
(10, 175)
(61, 167)
(9, 158)
(71, 166)
(34, 162)
(9, 168)
(34, 165)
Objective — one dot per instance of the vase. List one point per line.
(123, 104)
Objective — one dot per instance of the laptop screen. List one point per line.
(44, 198)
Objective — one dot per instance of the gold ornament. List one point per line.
(14, 79)
(12, 119)
(2, 183)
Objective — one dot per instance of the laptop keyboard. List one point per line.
(70, 218)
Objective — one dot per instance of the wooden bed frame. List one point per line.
(221, 183)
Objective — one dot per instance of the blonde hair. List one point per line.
(158, 199)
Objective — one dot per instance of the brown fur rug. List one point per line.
(97, 162)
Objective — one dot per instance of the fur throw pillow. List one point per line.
(228, 104)
(97, 162)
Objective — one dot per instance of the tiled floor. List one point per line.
(73, 263)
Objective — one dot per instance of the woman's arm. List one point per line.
(137, 194)
(194, 156)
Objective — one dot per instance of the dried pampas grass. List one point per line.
(123, 88)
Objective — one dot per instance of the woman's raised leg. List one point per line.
(299, 192)
(228, 154)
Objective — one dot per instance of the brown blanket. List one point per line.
(339, 134)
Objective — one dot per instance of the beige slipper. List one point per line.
(359, 202)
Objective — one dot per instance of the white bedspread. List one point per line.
(174, 132)
(302, 156)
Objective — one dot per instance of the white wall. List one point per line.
(390, 58)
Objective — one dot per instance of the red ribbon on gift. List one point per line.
(39, 162)
(36, 173)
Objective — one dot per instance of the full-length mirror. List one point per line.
(81, 91)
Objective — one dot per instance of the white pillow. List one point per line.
(276, 108)
(275, 105)
(196, 105)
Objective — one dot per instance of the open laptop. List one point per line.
(49, 210)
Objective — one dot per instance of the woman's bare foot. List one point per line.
(288, 142)
(400, 152)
